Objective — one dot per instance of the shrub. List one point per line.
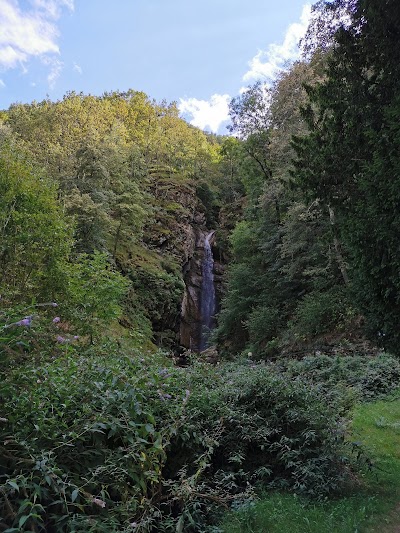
(97, 441)
(81, 448)
(265, 427)
(371, 377)
(321, 312)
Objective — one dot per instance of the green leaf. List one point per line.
(74, 495)
(22, 520)
(13, 484)
(179, 525)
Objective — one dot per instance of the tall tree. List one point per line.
(351, 159)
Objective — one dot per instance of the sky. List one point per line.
(199, 53)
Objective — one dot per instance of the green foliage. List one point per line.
(370, 377)
(27, 331)
(97, 440)
(286, 253)
(160, 292)
(35, 235)
(371, 507)
(127, 169)
(94, 295)
(350, 162)
(267, 428)
(264, 324)
(321, 312)
(81, 447)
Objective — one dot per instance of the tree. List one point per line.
(351, 160)
(95, 292)
(35, 235)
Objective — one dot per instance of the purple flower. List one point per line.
(76, 337)
(24, 322)
(99, 502)
(56, 320)
(61, 340)
(164, 396)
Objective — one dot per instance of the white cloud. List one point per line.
(205, 113)
(52, 8)
(30, 33)
(55, 66)
(266, 64)
(77, 68)
(2, 84)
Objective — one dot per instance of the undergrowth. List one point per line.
(102, 438)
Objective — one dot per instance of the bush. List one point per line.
(81, 446)
(321, 312)
(265, 427)
(370, 377)
(98, 441)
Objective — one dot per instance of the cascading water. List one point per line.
(208, 306)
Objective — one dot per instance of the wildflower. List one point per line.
(56, 320)
(24, 322)
(61, 340)
(164, 396)
(76, 337)
(99, 502)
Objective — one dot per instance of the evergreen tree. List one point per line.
(351, 159)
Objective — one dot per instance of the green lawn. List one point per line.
(373, 506)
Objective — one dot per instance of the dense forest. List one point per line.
(113, 416)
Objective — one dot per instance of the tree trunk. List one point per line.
(338, 248)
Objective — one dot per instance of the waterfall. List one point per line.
(208, 307)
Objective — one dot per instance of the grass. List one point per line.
(373, 507)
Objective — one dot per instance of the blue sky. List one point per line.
(199, 53)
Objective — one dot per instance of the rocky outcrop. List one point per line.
(177, 232)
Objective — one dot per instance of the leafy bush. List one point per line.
(278, 430)
(321, 312)
(371, 377)
(263, 325)
(94, 294)
(98, 441)
(81, 449)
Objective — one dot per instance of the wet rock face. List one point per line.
(191, 304)
(191, 316)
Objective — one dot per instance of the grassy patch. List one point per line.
(373, 505)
